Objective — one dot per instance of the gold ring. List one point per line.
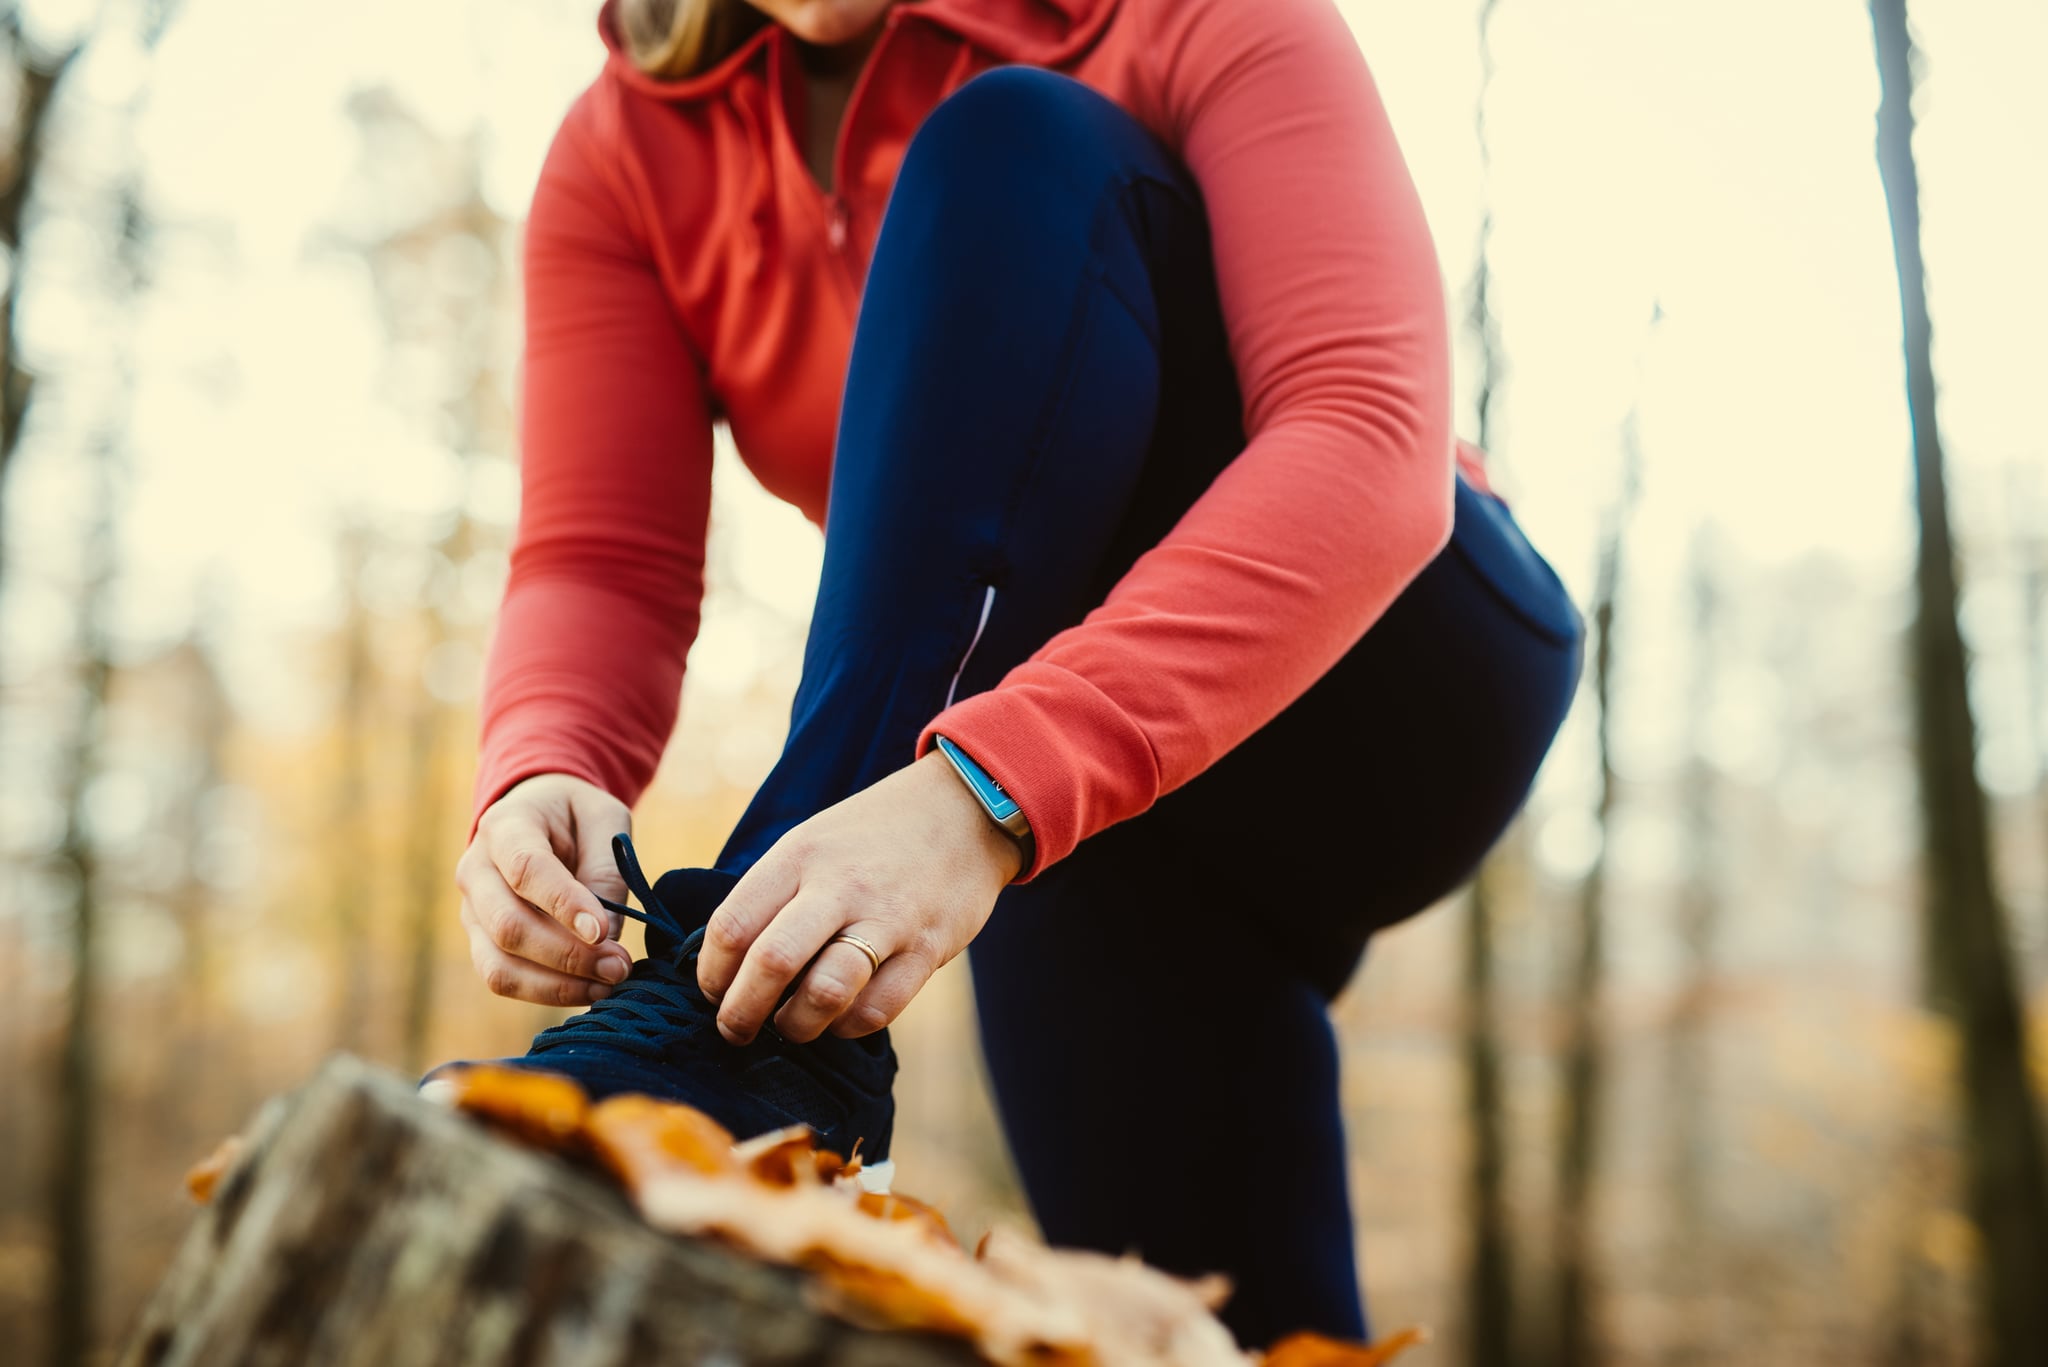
(848, 938)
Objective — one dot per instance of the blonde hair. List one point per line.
(671, 39)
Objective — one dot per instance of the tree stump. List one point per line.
(363, 1225)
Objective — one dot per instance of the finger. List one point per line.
(526, 860)
(528, 982)
(596, 822)
(746, 911)
(778, 954)
(902, 976)
(826, 989)
(524, 933)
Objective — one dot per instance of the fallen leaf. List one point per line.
(637, 1139)
(781, 1158)
(892, 1272)
(202, 1177)
(887, 1205)
(1313, 1350)
(545, 1109)
(830, 1167)
(890, 1300)
(1133, 1313)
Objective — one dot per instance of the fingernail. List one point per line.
(612, 967)
(727, 1031)
(589, 927)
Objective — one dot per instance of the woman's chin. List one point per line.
(828, 23)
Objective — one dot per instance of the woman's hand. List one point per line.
(912, 865)
(536, 930)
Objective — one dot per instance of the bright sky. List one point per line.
(1714, 160)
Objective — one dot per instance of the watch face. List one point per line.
(1000, 805)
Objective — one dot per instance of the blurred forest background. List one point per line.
(1723, 1059)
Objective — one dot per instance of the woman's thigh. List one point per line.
(1153, 1008)
(1168, 1084)
(1380, 790)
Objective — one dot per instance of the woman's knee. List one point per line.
(1017, 131)
(1015, 103)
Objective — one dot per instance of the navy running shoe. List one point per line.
(657, 1034)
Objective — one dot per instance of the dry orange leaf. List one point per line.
(638, 1138)
(545, 1109)
(202, 1177)
(781, 1158)
(1131, 1313)
(891, 1299)
(831, 1167)
(887, 1205)
(1313, 1350)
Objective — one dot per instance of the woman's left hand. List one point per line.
(911, 865)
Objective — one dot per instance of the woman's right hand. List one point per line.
(529, 883)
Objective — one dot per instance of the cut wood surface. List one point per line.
(362, 1225)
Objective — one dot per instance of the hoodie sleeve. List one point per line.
(586, 665)
(1336, 318)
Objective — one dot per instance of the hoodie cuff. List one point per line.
(1070, 758)
(500, 773)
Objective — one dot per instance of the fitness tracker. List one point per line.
(1000, 806)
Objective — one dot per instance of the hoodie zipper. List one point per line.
(838, 215)
(835, 221)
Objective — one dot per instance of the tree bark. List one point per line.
(74, 1141)
(1489, 1278)
(1968, 953)
(1688, 1079)
(351, 850)
(73, 1180)
(1576, 1341)
(460, 318)
(1488, 1312)
(37, 75)
(364, 1227)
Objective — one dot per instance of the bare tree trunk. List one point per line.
(1968, 954)
(351, 820)
(1489, 1278)
(183, 1089)
(1576, 1340)
(1489, 1275)
(72, 1169)
(2032, 550)
(460, 322)
(1688, 1076)
(74, 1143)
(38, 75)
(427, 864)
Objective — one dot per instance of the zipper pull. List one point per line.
(835, 222)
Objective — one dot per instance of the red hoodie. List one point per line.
(682, 265)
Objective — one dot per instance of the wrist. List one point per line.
(1000, 850)
(1001, 809)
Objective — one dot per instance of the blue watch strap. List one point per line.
(1000, 806)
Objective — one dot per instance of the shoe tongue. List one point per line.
(663, 942)
(680, 902)
(683, 902)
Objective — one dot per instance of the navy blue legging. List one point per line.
(1040, 386)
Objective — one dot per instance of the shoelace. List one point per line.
(659, 1005)
(628, 861)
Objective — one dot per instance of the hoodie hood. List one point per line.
(1043, 33)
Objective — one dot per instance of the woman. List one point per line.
(1160, 611)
